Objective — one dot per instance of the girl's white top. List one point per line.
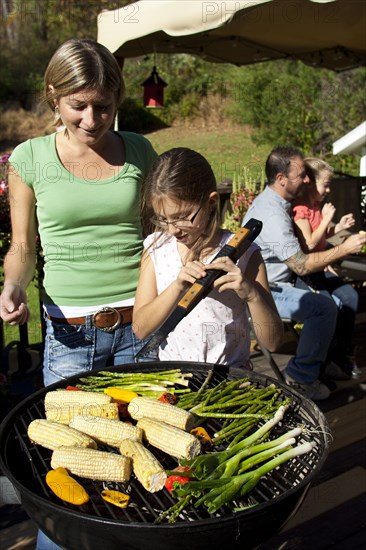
(217, 330)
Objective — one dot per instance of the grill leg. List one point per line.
(268, 355)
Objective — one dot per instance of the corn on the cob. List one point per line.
(146, 467)
(65, 397)
(64, 414)
(146, 407)
(106, 430)
(52, 435)
(169, 439)
(92, 464)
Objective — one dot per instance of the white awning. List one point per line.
(323, 33)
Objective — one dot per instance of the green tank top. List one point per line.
(90, 229)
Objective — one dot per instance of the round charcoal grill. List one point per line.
(98, 525)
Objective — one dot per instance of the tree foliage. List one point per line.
(283, 101)
(289, 102)
(31, 30)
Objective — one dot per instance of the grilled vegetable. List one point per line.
(177, 479)
(167, 397)
(202, 435)
(66, 397)
(146, 467)
(115, 497)
(170, 439)
(92, 464)
(123, 410)
(119, 394)
(65, 487)
(106, 430)
(145, 407)
(52, 435)
(64, 414)
(149, 384)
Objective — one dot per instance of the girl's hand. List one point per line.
(233, 279)
(13, 305)
(346, 222)
(328, 211)
(190, 273)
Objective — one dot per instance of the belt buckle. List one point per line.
(107, 310)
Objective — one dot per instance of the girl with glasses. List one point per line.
(180, 192)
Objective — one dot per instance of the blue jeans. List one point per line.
(346, 298)
(73, 349)
(44, 543)
(318, 314)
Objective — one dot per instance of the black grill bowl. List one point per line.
(96, 525)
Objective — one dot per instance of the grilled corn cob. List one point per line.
(52, 435)
(146, 467)
(63, 414)
(65, 397)
(106, 430)
(145, 407)
(92, 464)
(170, 439)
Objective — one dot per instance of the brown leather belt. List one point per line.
(106, 318)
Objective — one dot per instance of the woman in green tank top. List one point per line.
(79, 188)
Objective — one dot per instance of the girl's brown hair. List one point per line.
(182, 175)
(81, 65)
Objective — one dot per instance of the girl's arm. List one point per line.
(253, 289)
(20, 261)
(152, 309)
(266, 321)
(308, 238)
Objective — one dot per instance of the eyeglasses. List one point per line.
(181, 223)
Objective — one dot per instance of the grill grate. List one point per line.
(145, 507)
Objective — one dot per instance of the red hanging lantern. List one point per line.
(154, 91)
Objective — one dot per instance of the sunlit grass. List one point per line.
(230, 151)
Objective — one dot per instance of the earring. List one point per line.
(57, 114)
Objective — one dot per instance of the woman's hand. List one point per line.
(13, 305)
(233, 279)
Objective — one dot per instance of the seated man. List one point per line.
(282, 254)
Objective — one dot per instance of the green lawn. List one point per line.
(229, 150)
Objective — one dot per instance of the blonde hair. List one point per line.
(315, 166)
(80, 65)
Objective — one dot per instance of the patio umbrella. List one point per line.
(323, 33)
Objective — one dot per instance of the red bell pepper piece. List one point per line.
(73, 388)
(172, 480)
(167, 397)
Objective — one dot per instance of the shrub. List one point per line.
(242, 196)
